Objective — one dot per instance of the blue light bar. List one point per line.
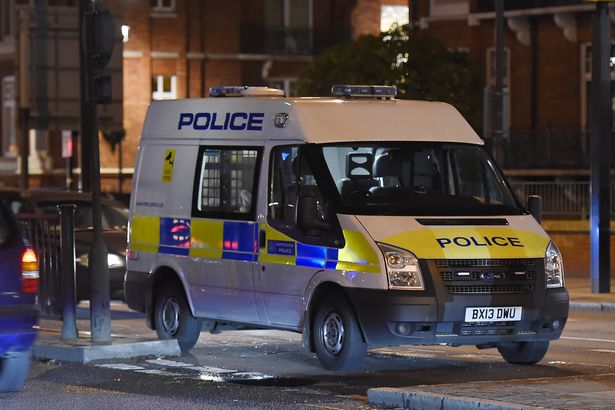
(244, 91)
(369, 91)
(227, 91)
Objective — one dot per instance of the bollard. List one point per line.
(67, 266)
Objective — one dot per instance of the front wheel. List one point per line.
(523, 352)
(14, 370)
(173, 317)
(337, 337)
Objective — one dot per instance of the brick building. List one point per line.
(179, 48)
(548, 69)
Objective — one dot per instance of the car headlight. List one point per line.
(403, 268)
(554, 267)
(113, 260)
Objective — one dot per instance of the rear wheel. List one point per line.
(173, 317)
(337, 337)
(523, 352)
(14, 370)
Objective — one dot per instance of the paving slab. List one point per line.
(587, 392)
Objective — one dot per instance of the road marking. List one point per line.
(587, 339)
(189, 370)
(168, 363)
(120, 366)
(602, 350)
(203, 369)
(159, 372)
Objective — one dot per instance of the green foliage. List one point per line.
(419, 66)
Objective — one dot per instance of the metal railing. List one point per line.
(43, 233)
(560, 199)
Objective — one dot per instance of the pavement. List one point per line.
(125, 343)
(525, 394)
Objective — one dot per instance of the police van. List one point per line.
(359, 220)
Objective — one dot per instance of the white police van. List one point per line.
(359, 220)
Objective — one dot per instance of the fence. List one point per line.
(560, 199)
(43, 233)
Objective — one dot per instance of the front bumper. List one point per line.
(437, 314)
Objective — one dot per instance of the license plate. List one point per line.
(494, 314)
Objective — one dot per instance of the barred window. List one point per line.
(227, 182)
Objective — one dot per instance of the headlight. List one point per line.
(113, 260)
(554, 268)
(403, 268)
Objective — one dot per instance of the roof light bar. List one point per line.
(369, 91)
(244, 91)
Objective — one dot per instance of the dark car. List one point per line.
(18, 313)
(114, 224)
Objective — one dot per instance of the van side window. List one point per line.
(291, 177)
(225, 182)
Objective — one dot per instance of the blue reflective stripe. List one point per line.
(312, 263)
(239, 256)
(175, 232)
(239, 237)
(172, 250)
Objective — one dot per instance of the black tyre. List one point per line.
(337, 337)
(173, 317)
(14, 371)
(523, 352)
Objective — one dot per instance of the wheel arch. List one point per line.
(322, 291)
(160, 276)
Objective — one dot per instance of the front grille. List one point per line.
(448, 276)
(462, 263)
(482, 289)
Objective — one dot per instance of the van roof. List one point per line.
(312, 119)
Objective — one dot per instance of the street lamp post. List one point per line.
(600, 229)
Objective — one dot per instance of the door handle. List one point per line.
(262, 238)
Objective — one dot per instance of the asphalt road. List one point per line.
(269, 369)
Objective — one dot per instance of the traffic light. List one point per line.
(99, 40)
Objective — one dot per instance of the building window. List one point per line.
(391, 16)
(448, 7)
(9, 138)
(162, 5)
(288, 26)
(164, 87)
(586, 93)
(227, 182)
(490, 80)
(288, 85)
(6, 18)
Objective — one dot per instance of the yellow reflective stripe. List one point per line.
(472, 243)
(357, 254)
(206, 237)
(144, 233)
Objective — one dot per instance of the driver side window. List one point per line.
(290, 179)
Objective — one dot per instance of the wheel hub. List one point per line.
(170, 316)
(333, 333)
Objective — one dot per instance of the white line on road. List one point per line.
(120, 366)
(602, 350)
(204, 369)
(587, 339)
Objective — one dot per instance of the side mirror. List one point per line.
(534, 205)
(309, 216)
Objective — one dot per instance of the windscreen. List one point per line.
(418, 178)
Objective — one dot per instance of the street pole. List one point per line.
(85, 6)
(600, 218)
(498, 126)
(100, 313)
